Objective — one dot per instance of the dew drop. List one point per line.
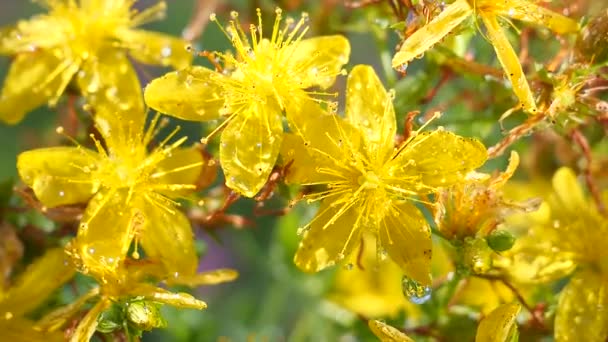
(61, 193)
(349, 266)
(8, 315)
(166, 52)
(415, 292)
(402, 68)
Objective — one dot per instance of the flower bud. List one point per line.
(145, 315)
(500, 240)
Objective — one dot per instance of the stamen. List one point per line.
(150, 14)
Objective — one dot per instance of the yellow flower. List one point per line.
(568, 237)
(130, 286)
(87, 43)
(32, 288)
(131, 194)
(267, 73)
(489, 11)
(370, 184)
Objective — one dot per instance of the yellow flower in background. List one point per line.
(131, 194)
(568, 237)
(371, 186)
(86, 43)
(132, 287)
(32, 288)
(267, 73)
(489, 11)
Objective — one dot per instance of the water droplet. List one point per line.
(8, 315)
(402, 68)
(61, 193)
(166, 51)
(349, 266)
(415, 292)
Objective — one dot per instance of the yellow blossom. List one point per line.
(131, 194)
(370, 185)
(489, 11)
(265, 75)
(568, 237)
(32, 288)
(86, 43)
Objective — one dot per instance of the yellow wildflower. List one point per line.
(87, 43)
(568, 237)
(370, 184)
(489, 11)
(130, 192)
(32, 288)
(130, 286)
(267, 73)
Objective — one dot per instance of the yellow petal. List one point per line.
(568, 191)
(302, 166)
(510, 62)
(188, 94)
(45, 275)
(57, 174)
(86, 328)
(57, 318)
(581, 310)
(105, 232)
(179, 300)
(436, 158)
(19, 329)
(34, 79)
(318, 60)
(205, 278)
(386, 333)
(110, 84)
(183, 168)
(370, 109)
(249, 148)
(167, 236)
(332, 235)
(406, 236)
(531, 12)
(500, 325)
(428, 35)
(41, 32)
(156, 48)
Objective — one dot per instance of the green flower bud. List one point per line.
(500, 240)
(110, 320)
(592, 42)
(145, 315)
(477, 256)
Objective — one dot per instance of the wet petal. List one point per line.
(581, 310)
(45, 275)
(111, 86)
(156, 48)
(205, 278)
(318, 60)
(369, 108)
(38, 33)
(406, 236)
(105, 233)
(188, 94)
(178, 300)
(331, 237)
(302, 166)
(500, 325)
(387, 333)
(436, 158)
(526, 10)
(249, 148)
(166, 235)
(19, 329)
(180, 173)
(58, 175)
(430, 34)
(86, 328)
(34, 79)
(510, 62)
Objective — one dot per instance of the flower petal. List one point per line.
(34, 79)
(510, 62)
(156, 48)
(205, 278)
(500, 325)
(109, 82)
(178, 300)
(318, 60)
(332, 235)
(41, 32)
(188, 94)
(436, 158)
(529, 11)
(568, 192)
(387, 333)
(430, 34)
(180, 173)
(581, 310)
(86, 328)
(58, 175)
(166, 235)
(302, 167)
(369, 108)
(406, 236)
(45, 275)
(249, 148)
(106, 230)
(18, 329)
